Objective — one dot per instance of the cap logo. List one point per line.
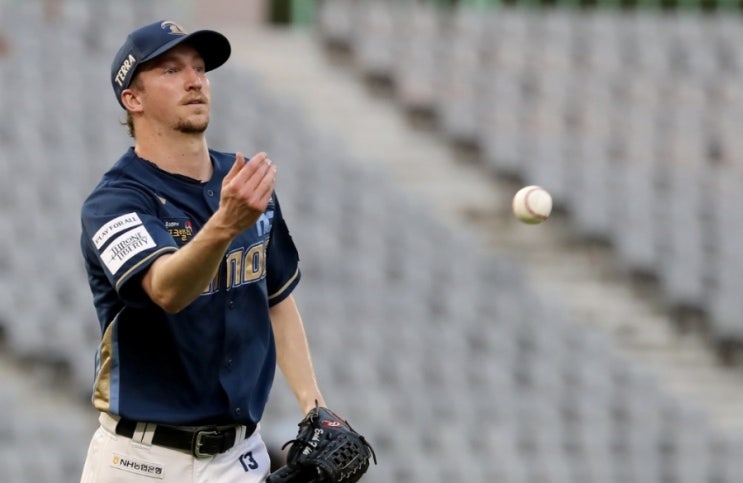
(174, 28)
(126, 66)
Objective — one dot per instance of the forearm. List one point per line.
(177, 279)
(174, 281)
(293, 354)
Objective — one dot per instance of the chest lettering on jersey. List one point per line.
(180, 229)
(242, 266)
(263, 225)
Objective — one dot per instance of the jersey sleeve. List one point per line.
(123, 234)
(282, 273)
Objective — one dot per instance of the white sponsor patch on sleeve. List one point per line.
(117, 225)
(125, 247)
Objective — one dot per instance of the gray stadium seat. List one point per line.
(416, 59)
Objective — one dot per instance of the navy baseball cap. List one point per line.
(155, 39)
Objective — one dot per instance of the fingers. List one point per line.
(236, 167)
(253, 174)
(242, 170)
(252, 181)
(246, 190)
(265, 187)
(251, 166)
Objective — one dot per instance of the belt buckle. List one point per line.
(196, 449)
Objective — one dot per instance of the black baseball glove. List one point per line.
(326, 450)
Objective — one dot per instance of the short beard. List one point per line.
(188, 127)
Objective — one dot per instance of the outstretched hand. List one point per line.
(246, 190)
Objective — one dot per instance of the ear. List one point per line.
(131, 100)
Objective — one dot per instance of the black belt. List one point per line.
(200, 441)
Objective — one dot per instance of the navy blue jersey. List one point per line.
(215, 360)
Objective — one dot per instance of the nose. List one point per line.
(194, 78)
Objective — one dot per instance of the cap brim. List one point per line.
(213, 47)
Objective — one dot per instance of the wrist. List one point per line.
(220, 228)
(308, 405)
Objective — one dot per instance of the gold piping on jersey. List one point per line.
(102, 386)
(156, 253)
(285, 286)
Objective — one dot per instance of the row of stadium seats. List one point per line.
(59, 133)
(493, 376)
(63, 136)
(726, 6)
(628, 119)
(463, 372)
(302, 12)
(482, 383)
(40, 443)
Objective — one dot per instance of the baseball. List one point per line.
(532, 204)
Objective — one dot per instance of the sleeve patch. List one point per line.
(123, 248)
(117, 225)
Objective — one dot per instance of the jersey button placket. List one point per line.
(211, 197)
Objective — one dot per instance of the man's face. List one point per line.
(174, 90)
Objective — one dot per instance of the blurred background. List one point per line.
(603, 346)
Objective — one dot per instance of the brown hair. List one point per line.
(129, 123)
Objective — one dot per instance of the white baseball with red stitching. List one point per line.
(532, 204)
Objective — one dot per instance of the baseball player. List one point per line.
(192, 269)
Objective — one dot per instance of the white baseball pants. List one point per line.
(118, 459)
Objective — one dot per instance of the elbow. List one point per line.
(172, 309)
(168, 302)
(167, 290)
